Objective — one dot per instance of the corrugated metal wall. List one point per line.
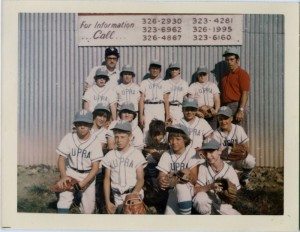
(52, 69)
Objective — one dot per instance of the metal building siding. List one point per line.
(52, 69)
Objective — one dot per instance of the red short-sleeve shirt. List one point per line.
(233, 84)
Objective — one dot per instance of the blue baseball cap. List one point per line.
(178, 128)
(83, 116)
(123, 126)
(231, 51)
(190, 102)
(212, 144)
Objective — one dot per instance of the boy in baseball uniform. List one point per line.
(124, 169)
(228, 134)
(79, 156)
(178, 89)
(206, 200)
(199, 129)
(100, 93)
(127, 113)
(179, 156)
(154, 101)
(206, 93)
(111, 59)
(128, 91)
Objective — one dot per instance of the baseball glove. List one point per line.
(72, 186)
(228, 192)
(207, 111)
(238, 152)
(184, 176)
(133, 204)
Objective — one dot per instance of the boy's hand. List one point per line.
(111, 208)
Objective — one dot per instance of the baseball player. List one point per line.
(178, 157)
(111, 60)
(79, 156)
(127, 113)
(128, 91)
(199, 129)
(235, 87)
(100, 93)
(205, 200)
(227, 134)
(124, 171)
(156, 142)
(154, 100)
(206, 93)
(178, 89)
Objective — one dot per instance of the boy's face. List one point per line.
(202, 77)
(189, 113)
(122, 139)
(127, 116)
(158, 138)
(101, 81)
(83, 128)
(177, 143)
(154, 71)
(225, 122)
(127, 77)
(100, 119)
(174, 72)
(212, 156)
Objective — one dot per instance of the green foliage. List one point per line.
(39, 189)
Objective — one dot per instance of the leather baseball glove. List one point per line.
(184, 175)
(133, 204)
(238, 152)
(228, 192)
(207, 111)
(72, 186)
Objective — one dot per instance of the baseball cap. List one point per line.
(127, 68)
(101, 72)
(155, 63)
(212, 144)
(231, 51)
(127, 106)
(111, 51)
(202, 69)
(83, 116)
(174, 65)
(101, 106)
(190, 102)
(122, 126)
(178, 128)
(225, 110)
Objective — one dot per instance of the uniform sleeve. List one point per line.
(140, 160)
(138, 139)
(97, 153)
(164, 163)
(64, 148)
(87, 95)
(242, 137)
(202, 179)
(215, 88)
(206, 128)
(166, 88)
(217, 136)
(102, 136)
(106, 161)
(191, 90)
(143, 86)
(185, 88)
(90, 78)
(194, 159)
(110, 133)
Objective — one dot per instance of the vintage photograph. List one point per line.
(169, 113)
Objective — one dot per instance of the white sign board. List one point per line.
(159, 29)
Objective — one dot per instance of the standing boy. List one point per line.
(206, 200)
(100, 93)
(179, 156)
(154, 101)
(79, 156)
(124, 171)
(228, 134)
(206, 93)
(178, 89)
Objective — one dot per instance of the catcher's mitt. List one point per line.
(184, 175)
(72, 185)
(133, 204)
(229, 191)
(238, 152)
(207, 111)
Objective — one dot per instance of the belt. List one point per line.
(149, 102)
(175, 103)
(125, 192)
(80, 171)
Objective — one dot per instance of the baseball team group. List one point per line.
(179, 135)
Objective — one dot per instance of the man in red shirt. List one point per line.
(235, 87)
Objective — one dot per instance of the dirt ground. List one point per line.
(263, 195)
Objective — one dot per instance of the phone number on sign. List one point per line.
(164, 37)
